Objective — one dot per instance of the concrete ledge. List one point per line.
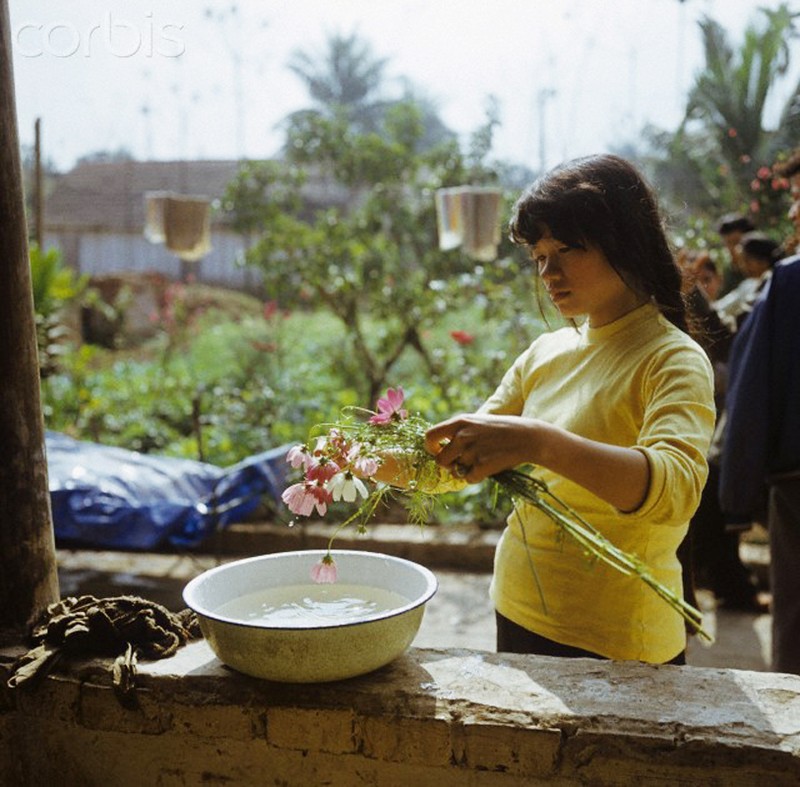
(444, 717)
(466, 547)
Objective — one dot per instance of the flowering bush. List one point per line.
(768, 198)
(345, 459)
(462, 337)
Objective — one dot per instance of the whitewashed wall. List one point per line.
(98, 253)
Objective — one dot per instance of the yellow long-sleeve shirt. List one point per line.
(637, 382)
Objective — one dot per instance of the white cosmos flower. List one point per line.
(345, 486)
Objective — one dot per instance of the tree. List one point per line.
(348, 83)
(346, 80)
(373, 261)
(347, 223)
(720, 157)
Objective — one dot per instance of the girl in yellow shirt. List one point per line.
(615, 413)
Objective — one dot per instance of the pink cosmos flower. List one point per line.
(299, 499)
(365, 466)
(321, 469)
(336, 447)
(298, 455)
(336, 438)
(389, 407)
(303, 498)
(322, 497)
(324, 572)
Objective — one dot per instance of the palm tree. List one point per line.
(347, 83)
(346, 80)
(719, 158)
(729, 97)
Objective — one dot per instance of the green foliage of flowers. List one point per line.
(54, 286)
(220, 389)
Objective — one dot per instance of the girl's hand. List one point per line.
(478, 445)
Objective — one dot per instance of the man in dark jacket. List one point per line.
(760, 464)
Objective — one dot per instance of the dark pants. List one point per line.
(784, 543)
(512, 638)
(715, 550)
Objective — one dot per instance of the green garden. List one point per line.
(358, 296)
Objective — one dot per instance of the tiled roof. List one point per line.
(110, 195)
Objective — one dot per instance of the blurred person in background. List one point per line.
(707, 276)
(760, 466)
(755, 256)
(716, 560)
(790, 169)
(759, 253)
(731, 228)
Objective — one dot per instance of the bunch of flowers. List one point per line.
(341, 463)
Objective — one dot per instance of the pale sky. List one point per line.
(203, 79)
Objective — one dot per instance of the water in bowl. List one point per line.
(311, 605)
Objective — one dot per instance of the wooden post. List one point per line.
(28, 573)
(38, 181)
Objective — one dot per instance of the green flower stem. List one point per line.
(364, 513)
(519, 485)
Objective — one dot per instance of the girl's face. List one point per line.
(582, 282)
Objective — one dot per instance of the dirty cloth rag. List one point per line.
(122, 626)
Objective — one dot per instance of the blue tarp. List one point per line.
(112, 498)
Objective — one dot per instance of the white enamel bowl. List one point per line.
(331, 651)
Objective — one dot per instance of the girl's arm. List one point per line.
(483, 444)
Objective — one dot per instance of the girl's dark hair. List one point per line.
(603, 200)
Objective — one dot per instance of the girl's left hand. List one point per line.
(475, 446)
